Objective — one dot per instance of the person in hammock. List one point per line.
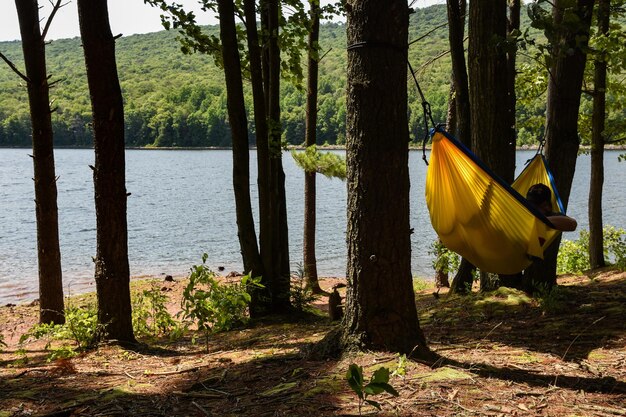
(540, 196)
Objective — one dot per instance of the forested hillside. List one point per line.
(179, 100)
(174, 99)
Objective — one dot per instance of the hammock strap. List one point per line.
(428, 115)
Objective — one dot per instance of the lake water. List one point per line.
(182, 205)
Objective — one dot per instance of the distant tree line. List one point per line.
(176, 100)
(173, 99)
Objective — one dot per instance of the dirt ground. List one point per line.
(503, 354)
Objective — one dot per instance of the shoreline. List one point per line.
(412, 147)
(164, 278)
(29, 302)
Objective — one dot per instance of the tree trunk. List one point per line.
(278, 256)
(513, 25)
(488, 90)
(273, 233)
(456, 35)
(561, 133)
(48, 251)
(111, 270)
(596, 238)
(380, 305)
(463, 280)
(261, 298)
(239, 128)
(310, 263)
(488, 95)
(441, 279)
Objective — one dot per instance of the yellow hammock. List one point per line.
(479, 216)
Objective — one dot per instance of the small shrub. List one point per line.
(446, 261)
(213, 306)
(81, 326)
(401, 367)
(615, 246)
(301, 295)
(573, 257)
(151, 317)
(378, 384)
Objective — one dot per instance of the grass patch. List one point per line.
(328, 385)
(445, 374)
(527, 357)
(452, 309)
(421, 284)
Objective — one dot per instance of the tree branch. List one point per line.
(440, 55)
(14, 68)
(431, 31)
(55, 9)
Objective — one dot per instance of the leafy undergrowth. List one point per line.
(502, 354)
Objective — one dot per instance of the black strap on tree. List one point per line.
(425, 104)
(428, 115)
(542, 142)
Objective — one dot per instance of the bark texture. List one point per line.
(561, 133)
(456, 35)
(261, 298)
(276, 261)
(488, 89)
(596, 235)
(239, 130)
(48, 250)
(380, 306)
(491, 140)
(111, 270)
(460, 124)
(310, 197)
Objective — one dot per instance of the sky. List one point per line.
(127, 17)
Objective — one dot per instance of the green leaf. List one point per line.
(380, 375)
(354, 376)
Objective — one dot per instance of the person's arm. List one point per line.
(563, 222)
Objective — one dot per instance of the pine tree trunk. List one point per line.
(488, 89)
(280, 274)
(513, 25)
(239, 129)
(596, 238)
(511, 59)
(488, 96)
(461, 128)
(48, 250)
(561, 134)
(464, 278)
(380, 305)
(261, 298)
(111, 270)
(456, 34)
(310, 263)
